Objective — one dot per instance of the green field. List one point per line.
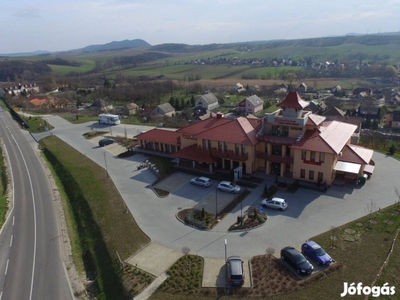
(180, 64)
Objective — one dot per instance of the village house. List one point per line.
(207, 101)
(251, 105)
(302, 88)
(18, 89)
(164, 109)
(392, 119)
(290, 142)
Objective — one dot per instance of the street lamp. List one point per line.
(105, 163)
(216, 203)
(241, 212)
(226, 267)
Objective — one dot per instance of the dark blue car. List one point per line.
(314, 251)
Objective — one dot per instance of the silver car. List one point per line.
(202, 181)
(227, 186)
(276, 203)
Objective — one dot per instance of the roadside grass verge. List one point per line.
(3, 189)
(36, 123)
(99, 223)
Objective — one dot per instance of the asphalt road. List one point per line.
(310, 213)
(30, 263)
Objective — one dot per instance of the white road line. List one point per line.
(13, 220)
(11, 240)
(1, 295)
(5, 273)
(34, 219)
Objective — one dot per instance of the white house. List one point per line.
(207, 101)
(251, 105)
(164, 109)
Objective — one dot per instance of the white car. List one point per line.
(276, 203)
(202, 181)
(227, 186)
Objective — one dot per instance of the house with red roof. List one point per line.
(290, 142)
(298, 144)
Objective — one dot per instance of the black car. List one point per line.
(235, 270)
(296, 260)
(106, 141)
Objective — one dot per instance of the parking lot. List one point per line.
(209, 198)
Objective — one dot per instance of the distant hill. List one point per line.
(351, 38)
(34, 53)
(115, 45)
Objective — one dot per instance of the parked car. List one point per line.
(202, 181)
(313, 250)
(276, 203)
(106, 141)
(235, 270)
(227, 186)
(297, 260)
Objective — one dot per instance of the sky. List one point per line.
(54, 25)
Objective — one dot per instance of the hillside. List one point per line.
(115, 45)
(367, 40)
(247, 60)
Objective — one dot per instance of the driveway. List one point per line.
(310, 213)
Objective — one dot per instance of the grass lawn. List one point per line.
(92, 205)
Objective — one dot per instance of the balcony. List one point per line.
(238, 157)
(219, 153)
(275, 158)
(278, 140)
(202, 151)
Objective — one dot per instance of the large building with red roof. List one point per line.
(290, 142)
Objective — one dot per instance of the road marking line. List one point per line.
(5, 273)
(11, 240)
(13, 220)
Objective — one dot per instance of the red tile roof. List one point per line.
(293, 100)
(160, 135)
(356, 154)
(204, 125)
(39, 102)
(238, 131)
(329, 139)
(195, 153)
(337, 134)
(312, 141)
(315, 119)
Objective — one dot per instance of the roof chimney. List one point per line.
(219, 115)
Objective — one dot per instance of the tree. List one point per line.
(270, 251)
(192, 101)
(291, 77)
(390, 72)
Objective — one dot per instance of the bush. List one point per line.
(293, 187)
(392, 149)
(192, 219)
(271, 191)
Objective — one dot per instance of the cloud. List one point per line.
(27, 12)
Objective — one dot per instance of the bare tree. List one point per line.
(270, 251)
(333, 236)
(185, 251)
(370, 209)
(397, 201)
